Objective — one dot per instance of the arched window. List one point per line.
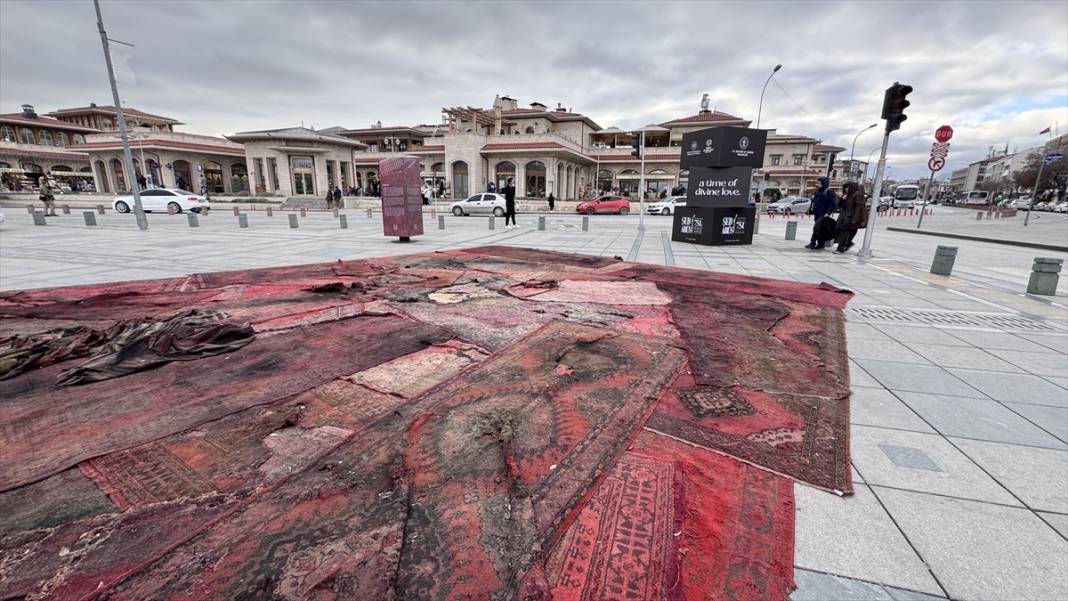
(32, 168)
(46, 138)
(61, 139)
(119, 175)
(529, 130)
(505, 170)
(61, 168)
(7, 133)
(4, 165)
(79, 139)
(239, 178)
(604, 180)
(658, 172)
(437, 168)
(628, 172)
(460, 188)
(26, 136)
(535, 176)
(213, 177)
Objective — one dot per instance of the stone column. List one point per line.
(520, 178)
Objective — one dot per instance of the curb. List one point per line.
(1054, 247)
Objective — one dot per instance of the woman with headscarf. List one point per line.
(852, 215)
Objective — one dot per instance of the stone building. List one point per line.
(34, 148)
(298, 161)
(104, 118)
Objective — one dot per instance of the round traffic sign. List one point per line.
(944, 133)
(936, 163)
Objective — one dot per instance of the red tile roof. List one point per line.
(521, 145)
(43, 122)
(166, 144)
(45, 154)
(827, 148)
(110, 109)
(703, 118)
(427, 149)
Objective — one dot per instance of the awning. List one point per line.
(11, 170)
(657, 176)
(72, 173)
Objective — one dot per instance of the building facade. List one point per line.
(34, 149)
(104, 118)
(298, 161)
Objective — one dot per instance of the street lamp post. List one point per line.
(854, 147)
(867, 162)
(139, 212)
(760, 109)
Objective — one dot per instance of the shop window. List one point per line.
(79, 139)
(776, 159)
(26, 136)
(61, 139)
(7, 133)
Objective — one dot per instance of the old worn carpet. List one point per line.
(487, 423)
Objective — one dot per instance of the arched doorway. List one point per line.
(569, 191)
(535, 171)
(154, 176)
(119, 175)
(213, 177)
(657, 184)
(183, 175)
(505, 170)
(628, 183)
(604, 180)
(102, 177)
(239, 178)
(374, 187)
(459, 180)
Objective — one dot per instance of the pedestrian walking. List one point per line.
(509, 204)
(337, 197)
(329, 198)
(49, 199)
(552, 202)
(492, 188)
(853, 216)
(823, 204)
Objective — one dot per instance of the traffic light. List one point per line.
(637, 152)
(894, 105)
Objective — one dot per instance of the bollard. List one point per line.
(335, 213)
(293, 224)
(39, 218)
(30, 209)
(978, 215)
(237, 211)
(303, 212)
(541, 223)
(100, 209)
(943, 260)
(585, 223)
(492, 222)
(791, 230)
(756, 223)
(369, 212)
(343, 221)
(441, 222)
(997, 215)
(1044, 276)
(193, 220)
(270, 211)
(66, 209)
(90, 218)
(242, 221)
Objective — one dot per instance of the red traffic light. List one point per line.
(894, 105)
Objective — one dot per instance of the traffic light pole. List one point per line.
(873, 204)
(641, 185)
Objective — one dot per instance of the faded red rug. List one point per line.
(493, 422)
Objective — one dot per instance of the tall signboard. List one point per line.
(402, 199)
(720, 161)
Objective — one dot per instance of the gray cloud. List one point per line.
(994, 70)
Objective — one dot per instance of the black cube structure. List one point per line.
(720, 161)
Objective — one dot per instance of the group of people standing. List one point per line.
(852, 212)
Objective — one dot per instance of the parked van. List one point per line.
(978, 197)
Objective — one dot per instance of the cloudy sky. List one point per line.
(996, 71)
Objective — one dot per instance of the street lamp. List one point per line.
(867, 162)
(761, 108)
(851, 167)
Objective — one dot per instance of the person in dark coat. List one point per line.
(552, 201)
(823, 204)
(851, 217)
(337, 197)
(509, 204)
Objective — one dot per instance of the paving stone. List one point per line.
(978, 418)
(816, 586)
(916, 378)
(853, 536)
(922, 462)
(1020, 388)
(982, 551)
(856, 331)
(859, 377)
(1062, 382)
(1043, 364)
(1057, 342)
(963, 357)
(926, 334)
(1051, 419)
(996, 340)
(879, 407)
(883, 350)
(1038, 476)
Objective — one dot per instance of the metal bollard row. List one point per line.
(943, 261)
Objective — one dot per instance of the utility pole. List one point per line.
(139, 213)
(894, 105)
(641, 185)
(1034, 193)
(873, 203)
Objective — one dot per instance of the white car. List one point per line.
(1023, 203)
(900, 203)
(163, 199)
(791, 205)
(476, 204)
(1060, 207)
(666, 206)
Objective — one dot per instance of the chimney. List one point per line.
(27, 111)
(92, 105)
(538, 106)
(508, 103)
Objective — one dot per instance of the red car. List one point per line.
(609, 203)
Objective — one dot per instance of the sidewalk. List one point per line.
(960, 384)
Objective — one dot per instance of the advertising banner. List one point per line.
(402, 199)
(724, 147)
(714, 226)
(718, 186)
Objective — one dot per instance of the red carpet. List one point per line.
(489, 423)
